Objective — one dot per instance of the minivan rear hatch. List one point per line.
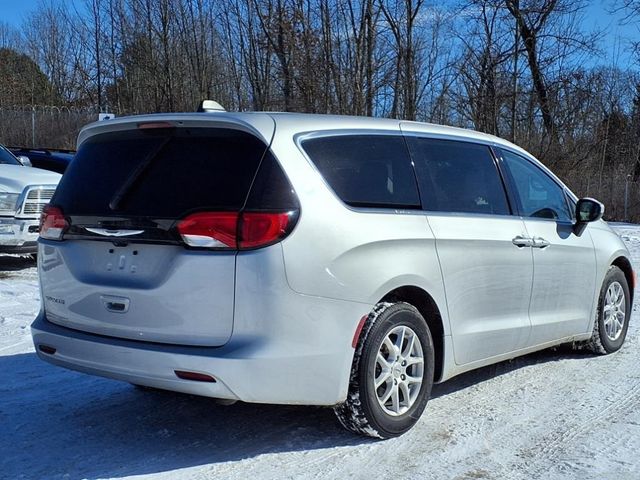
(121, 268)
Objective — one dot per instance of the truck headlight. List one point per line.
(8, 203)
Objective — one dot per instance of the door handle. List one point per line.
(539, 242)
(520, 241)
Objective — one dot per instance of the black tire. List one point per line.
(362, 413)
(600, 342)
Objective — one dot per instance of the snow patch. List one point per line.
(551, 415)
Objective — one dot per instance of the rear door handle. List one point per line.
(539, 242)
(520, 241)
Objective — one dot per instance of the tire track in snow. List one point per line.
(552, 446)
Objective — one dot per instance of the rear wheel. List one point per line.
(612, 318)
(392, 373)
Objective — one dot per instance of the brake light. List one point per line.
(53, 223)
(258, 229)
(231, 230)
(210, 229)
(155, 125)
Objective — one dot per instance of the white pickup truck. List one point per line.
(24, 191)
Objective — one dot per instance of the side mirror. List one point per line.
(24, 161)
(587, 210)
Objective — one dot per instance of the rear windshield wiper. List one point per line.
(115, 202)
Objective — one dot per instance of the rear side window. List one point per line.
(271, 189)
(457, 177)
(160, 173)
(366, 170)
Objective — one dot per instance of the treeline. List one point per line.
(526, 70)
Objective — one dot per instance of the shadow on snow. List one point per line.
(13, 263)
(59, 423)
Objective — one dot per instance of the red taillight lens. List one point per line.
(195, 376)
(233, 230)
(258, 229)
(210, 229)
(53, 223)
(155, 125)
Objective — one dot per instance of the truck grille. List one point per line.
(36, 199)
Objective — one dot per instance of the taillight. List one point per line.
(258, 229)
(53, 223)
(231, 230)
(210, 229)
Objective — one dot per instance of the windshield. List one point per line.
(7, 157)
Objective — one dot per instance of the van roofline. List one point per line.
(298, 121)
(264, 123)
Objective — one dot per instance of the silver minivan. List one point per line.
(319, 260)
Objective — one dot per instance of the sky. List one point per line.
(616, 36)
(618, 33)
(13, 11)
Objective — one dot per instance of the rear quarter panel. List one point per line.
(353, 254)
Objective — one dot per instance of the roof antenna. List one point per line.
(210, 106)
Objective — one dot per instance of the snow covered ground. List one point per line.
(554, 414)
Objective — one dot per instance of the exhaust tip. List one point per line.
(194, 376)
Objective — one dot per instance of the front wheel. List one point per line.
(614, 310)
(391, 375)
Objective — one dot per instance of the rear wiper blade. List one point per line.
(137, 174)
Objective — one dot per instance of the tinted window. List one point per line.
(271, 189)
(160, 173)
(7, 158)
(366, 170)
(539, 196)
(49, 164)
(457, 177)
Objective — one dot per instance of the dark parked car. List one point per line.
(52, 159)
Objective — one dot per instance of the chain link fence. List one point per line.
(43, 126)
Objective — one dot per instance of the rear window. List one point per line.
(366, 170)
(160, 173)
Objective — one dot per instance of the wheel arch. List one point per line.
(624, 264)
(428, 308)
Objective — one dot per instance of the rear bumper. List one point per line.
(260, 370)
(135, 362)
(18, 235)
(285, 347)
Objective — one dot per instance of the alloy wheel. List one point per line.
(398, 370)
